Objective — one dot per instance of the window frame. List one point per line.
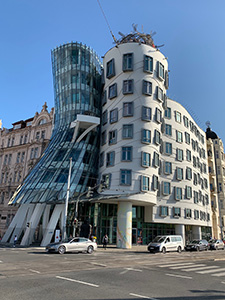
(130, 127)
(128, 179)
(147, 87)
(110, 66)
(113, 116)
(128, 86)
(129, 106)
(126, 58)
(148, 64)
(112, 140)
(128, 150)
(112, 91)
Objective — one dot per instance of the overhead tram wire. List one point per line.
(115, 40)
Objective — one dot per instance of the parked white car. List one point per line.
(166, 243)
(77, 244)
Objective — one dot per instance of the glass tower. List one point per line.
(77, 92)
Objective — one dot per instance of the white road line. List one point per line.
(210, 271)
(78, 281)
(219, 275)
(174, 265)
(186, 267)
(97, 264)
(143, 297)
(130, 269)
(179, 276)
(1, 261)
(201, 268)
(34, 271)
(223, 282)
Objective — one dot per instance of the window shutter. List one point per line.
(166, 83)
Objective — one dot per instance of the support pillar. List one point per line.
(124, 225)
(180, 230)
(196, 232)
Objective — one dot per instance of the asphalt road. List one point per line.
(30, 274)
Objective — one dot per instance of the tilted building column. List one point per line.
(124, 225)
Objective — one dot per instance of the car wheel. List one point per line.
(179, 249)
(62, 250)
(90, 249)
(164, 250)
(197, 249)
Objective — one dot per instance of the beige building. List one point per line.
(216, 163)
(20, 148)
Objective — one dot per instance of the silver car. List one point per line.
(77, 244)
(216, 244)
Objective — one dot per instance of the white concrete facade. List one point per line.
(152, 154)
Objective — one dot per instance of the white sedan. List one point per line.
(77, 244)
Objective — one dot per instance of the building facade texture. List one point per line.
(21, 148)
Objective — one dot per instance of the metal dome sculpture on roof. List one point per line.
(137, 37)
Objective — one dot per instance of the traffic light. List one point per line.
(75, 222)
(90, 192)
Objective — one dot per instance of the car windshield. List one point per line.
(212, 241)
(195, 242)
(159, 239)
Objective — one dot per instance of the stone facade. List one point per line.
(20, 148)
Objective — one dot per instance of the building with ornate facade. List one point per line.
(20, 148)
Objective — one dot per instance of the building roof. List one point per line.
(211, 134)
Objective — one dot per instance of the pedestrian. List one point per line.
(15, 241)
(105, 241)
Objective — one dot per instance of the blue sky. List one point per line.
(193, 32)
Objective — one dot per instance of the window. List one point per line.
(146, 136)
(145, 183)
(105, 117)
(179, 136)
(188, 173)
(114, 115)
(38, 135)
(106, 178)
(148, 64)
(194, 161)
(157, 137)
(6, 158)
(18, 157)
(178, 193)
(127, 131)
(188, 155)
(159, 94)
(125, 177)
(161, 71)
(13, 140)
(179, 154)
(112, 137)
(155, 182)
(206, 183)
(196, 214)
(158, 115)
(168, 148)
(112, 91)
(101, 159)
(195, 180)
(110, 67)
(10, 158)
(168, 167)
(31, 154)
(104, 98)
(195, 197)
(145, 159)
(126, 154)
(43, 134)
(110, 159)
(22, 157)
(128, 86)
(146, 113)
(185, 121)
(187, 138)
(166, 188)
(128, 62)
(176, 212)
(177, 116)
(167, 114)
(147, 88)
(163, 211)
(9, 140)
(156, 160)
(220, 187)
(168, 130)
(188, 192)
(35, 152)
(187, 213)
(127, 109)
(206, 199)
(103, 138)
(179, 173)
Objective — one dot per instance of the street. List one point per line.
(30, 273)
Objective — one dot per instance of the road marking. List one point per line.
(174, 265)
(210, 271)
(78, 281)
(1, 261)
(218, 275)
(201, 268)
(97, 264)
(140, 296)
(179, 276)
(34, 271)
(130, 269)
(223, 282)
(186, 267)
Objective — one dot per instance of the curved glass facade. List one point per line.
(77, 91)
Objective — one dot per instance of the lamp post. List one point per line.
(66, 201)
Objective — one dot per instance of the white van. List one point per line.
(164, 243)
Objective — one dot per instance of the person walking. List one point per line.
(105, 241)
(15, 241)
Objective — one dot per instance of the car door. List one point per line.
(74, 245)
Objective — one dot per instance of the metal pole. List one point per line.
(66, 201)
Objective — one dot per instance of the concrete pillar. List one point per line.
(124, 225)
(180, 230)
(196, 232)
